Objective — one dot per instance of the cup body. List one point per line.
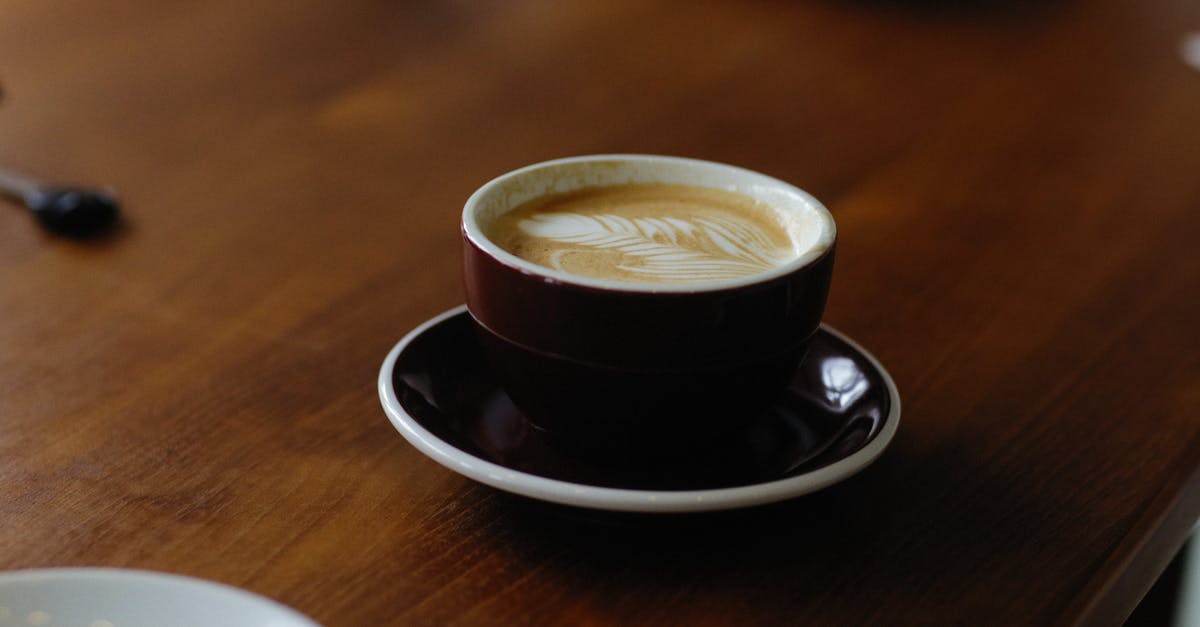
(640, 368)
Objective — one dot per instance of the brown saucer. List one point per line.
(839, 413)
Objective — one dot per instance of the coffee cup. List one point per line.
(644, 305)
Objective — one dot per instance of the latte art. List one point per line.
(664, 249)
(648, 233)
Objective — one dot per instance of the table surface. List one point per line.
(1016, 186)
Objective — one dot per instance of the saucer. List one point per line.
(839, 414)
(115, 597)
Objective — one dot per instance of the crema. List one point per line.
(650, 233)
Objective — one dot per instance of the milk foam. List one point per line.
(654, 233)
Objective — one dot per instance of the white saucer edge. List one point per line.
(619, 499)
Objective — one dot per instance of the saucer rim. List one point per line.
(627, 499)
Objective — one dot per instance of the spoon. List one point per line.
(67, 210)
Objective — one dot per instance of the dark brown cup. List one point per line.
(638, 369)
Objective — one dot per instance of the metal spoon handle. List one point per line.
(18, 186)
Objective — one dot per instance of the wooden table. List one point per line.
(1017, 189)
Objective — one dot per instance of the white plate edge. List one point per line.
(136, 576)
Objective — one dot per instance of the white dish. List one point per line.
(113, 597)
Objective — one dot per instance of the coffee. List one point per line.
(640, 306)
(653, 233)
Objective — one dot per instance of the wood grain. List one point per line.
(1016, 191)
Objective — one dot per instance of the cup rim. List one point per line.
(473, 232)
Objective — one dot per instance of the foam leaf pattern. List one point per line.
(662, 248)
